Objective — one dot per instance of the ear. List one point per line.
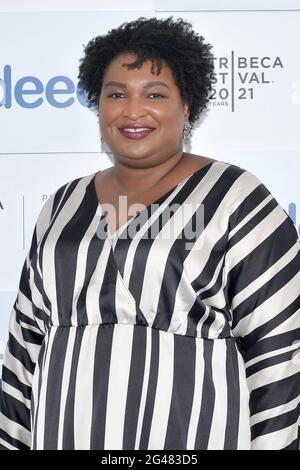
(186, 111)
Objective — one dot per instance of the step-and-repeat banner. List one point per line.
(48, 134)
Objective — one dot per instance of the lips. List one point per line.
(137, 125)
(135, 133)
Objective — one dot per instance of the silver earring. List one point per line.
(187, 134)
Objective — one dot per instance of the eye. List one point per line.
(156, 94)
(110, 96)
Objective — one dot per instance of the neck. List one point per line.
(130, 178)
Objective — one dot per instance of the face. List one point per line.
(158, 106)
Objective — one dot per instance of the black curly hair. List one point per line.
(162, 41)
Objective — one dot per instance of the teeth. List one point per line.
(140, 129)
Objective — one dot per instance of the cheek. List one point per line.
(108, 118)
(168, 114)
(172, 122)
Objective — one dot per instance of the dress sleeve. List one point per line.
(262, 286)
(26, 334)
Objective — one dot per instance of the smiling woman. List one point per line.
(155, 106)
(148, 94)
(180, 329)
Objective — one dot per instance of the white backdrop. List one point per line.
(48, 135)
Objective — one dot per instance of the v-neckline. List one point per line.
(170, 192)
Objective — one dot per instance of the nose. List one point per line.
(133, 109)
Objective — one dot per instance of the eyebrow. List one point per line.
(147, 85)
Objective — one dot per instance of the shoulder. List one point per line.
(229, 184)
(240, 181)
(239, 190)
(225, 169)
(58, 198)
(75, 186)
(249, 199)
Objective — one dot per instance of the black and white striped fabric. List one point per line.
(156, 341)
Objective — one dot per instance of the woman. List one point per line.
(183, 333)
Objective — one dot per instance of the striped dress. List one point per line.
(180, 330)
